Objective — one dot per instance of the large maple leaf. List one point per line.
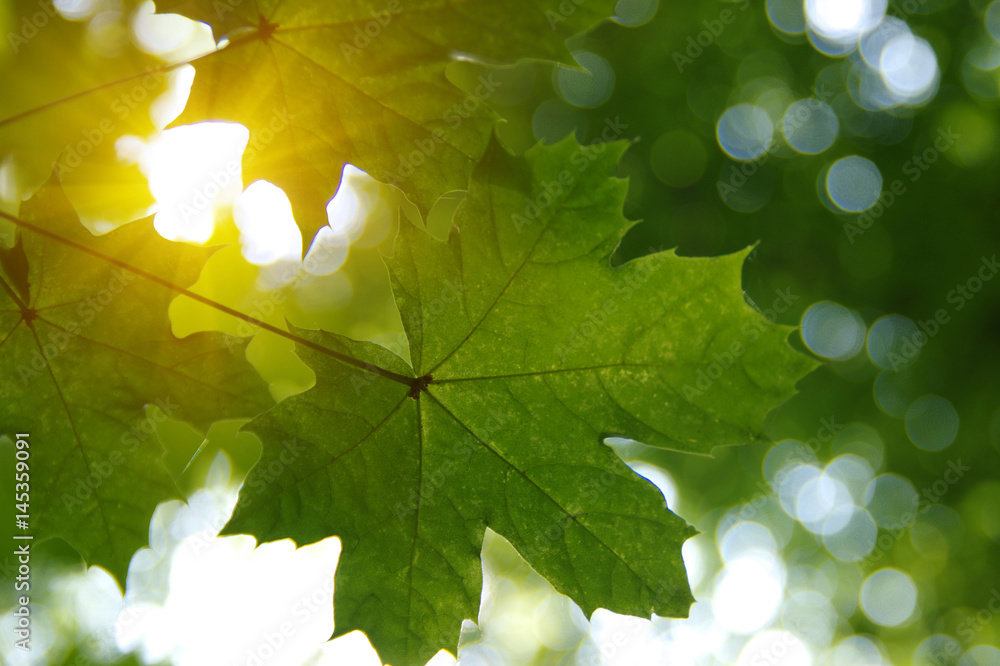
(528, 349)
(85, 346)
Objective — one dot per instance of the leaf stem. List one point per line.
(344, 358)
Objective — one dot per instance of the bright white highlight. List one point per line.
(748, 592)
(817, 503)
(267, 227)
(844, 21)
(193, 171)
(909, 67)
(889, 597)
(775, 648)
(744, 537)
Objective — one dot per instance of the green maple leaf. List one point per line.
(321, 84)
(528, 349)
(85, 346)
(65, 105)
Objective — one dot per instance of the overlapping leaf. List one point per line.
(321, 84)
(528, 349)
(85, 346)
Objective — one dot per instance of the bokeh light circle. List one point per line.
(746, 536)
(810, 615)
(856, 539)
(894, 342)
(856, 651)
(932, 422)
(810, 126)
(748, 592)
(992, 20)
(782, 456)
(854, 472)
(981, 655)
(893, 392)
(937, 650)
(909, 67)
(938, 528)
(979, 71)
(861, 440)
(745, 132)
(775, 648)
(678, 158)
(892, 501)
(788, 16)
(791, 484)
(634, 13)
(888, 597)
(76, 10)
(818, 505)
(832, 331)
(873, 43)
(554, 120)
(854, 184)
(588, 87)
(844, 21)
